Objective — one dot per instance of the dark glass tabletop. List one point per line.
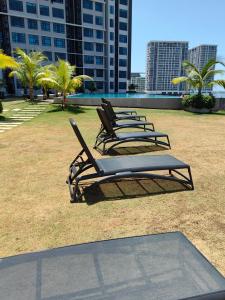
(163, 266)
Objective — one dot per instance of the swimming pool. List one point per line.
(120, 96)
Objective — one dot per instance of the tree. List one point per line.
(92, 87)
(48, 72)
(63, 79)
(29, 69)
(199, 79)
(7, 61)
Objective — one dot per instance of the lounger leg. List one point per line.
(191, 179)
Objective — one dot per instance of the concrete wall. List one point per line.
(159, 103)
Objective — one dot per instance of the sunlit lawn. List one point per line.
(35, 209)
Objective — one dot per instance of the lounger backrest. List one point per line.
(110, 108)
(105, 122)
(83, 144)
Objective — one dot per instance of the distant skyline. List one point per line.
(198, 22)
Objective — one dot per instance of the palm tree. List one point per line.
(48, 72)
(199, 79)
(7, 61)
(29, 69)
(63, 79)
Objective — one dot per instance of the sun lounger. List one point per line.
(126, 123)
(109, 169)
(165, 266)
(119, 112)
(109, 136)
(121, 116)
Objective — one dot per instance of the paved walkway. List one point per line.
(23, 115)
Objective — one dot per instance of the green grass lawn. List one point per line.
(35, 209)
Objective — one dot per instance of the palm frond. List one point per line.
(179, 80)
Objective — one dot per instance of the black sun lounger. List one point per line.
(119, 112)
(118, 117)
(109, 136)
(165, 266)
(109, 169)
(126, 123)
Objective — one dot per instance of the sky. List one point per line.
(196, 21)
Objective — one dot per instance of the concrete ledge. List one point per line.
(158, 103)
(152, 103)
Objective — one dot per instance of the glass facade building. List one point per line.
(94, 35)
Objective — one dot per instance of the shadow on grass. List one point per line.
(129, 188)
(5, 119)
(135, 150)
(72, 109)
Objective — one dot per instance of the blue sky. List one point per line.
(196, 21)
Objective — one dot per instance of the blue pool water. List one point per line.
(121, 95)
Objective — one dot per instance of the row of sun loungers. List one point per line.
(109, 169)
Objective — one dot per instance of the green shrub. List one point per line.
(1, 107)
(199, 101)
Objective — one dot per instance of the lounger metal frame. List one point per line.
(85, 161)
(107, 135)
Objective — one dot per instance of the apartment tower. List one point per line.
(164, 62)
(200, 55)
(94, 35)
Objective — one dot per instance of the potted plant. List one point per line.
(198, 80)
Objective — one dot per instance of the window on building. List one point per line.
(111, 36)
(123, 26)
(111, 49)
(44, 10)
(98, 6)
(99, 60)
(16, 5)
(31, 8)
(122, 85)
(122, 51)
(17, 22)
(123, 13)
(59, 43)
(59, 55)
(111, 73)
(111, 85)
(58, 13)
(48, 54)
(99, 47)
(88, 4)
(87, 18)
(18, 37)
(111, 61)
(58, 1)
(88, 46)
(111, 23)
(99, 34)
(46, 41)
(99, 85)
(60, 28)
(123, 38)
(32, 24)
(124, 2)
(111, 9)
(45, 26)
(88, 32)
(122, 62)
(89, 72)
(122, 74)
(88, 59)
(33, 39)
(99, 73)
(98, 20)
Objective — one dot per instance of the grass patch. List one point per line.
(35, 208)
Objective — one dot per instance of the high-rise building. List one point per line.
(164, 62)
(200, 55)
(94, 35)
(138, 80)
